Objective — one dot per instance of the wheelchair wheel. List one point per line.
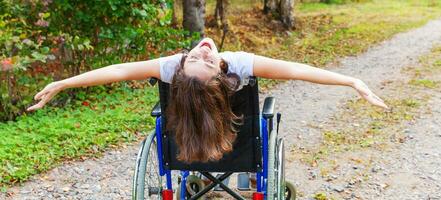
(276, 168)
(290, 191)
(280, 166)
(272, 173)
(193, 185)
(147, 183)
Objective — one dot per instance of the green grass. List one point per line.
(425, 75)
(424, 83)
(39, 141)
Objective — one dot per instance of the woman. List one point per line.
(201, 82)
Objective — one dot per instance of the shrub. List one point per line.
(45, 40)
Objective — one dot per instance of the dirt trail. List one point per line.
(413, 169)
(302, 104)
(306, 106)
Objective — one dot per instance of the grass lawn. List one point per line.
(39, 141)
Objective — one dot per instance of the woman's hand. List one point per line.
(367, 94)
(47, 94)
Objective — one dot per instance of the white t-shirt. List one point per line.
(239, 62)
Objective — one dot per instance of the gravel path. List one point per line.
(302, 103)
(108, 177)
(305, 104)
(412, 170)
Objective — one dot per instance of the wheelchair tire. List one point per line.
(280, 166)
(290, 191)
(147, 183)
(193, 185)
(272, 175)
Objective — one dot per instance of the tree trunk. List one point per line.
(221, 12)
(194, 12)
(286, 13)
(271, 6)
(266, 8)
(283, 9)
(174, 21)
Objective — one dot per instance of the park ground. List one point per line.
(339, 146)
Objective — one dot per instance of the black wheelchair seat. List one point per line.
(246, 155)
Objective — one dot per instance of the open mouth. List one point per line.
(206, 44)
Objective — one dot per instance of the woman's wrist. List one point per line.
(353, 81)
(63, 84)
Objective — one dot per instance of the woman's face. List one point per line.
(203, 61)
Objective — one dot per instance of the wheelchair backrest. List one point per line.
(246, 154)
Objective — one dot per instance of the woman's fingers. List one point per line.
(37, 106)
(375, 100)
(44, 98)
(40, 95)
(367, 94)
(380, 101)
(46, 95)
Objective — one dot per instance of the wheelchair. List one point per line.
(257, 149)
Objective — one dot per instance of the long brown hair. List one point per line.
(200, 115)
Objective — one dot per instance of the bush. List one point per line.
(45, 40)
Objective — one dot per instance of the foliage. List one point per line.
(45, 40)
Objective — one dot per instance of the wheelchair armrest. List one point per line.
(156, 111)
(268, 107)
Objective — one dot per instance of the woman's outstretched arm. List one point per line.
(113, 73)
(278, 69)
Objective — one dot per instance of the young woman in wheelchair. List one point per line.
(201, 82)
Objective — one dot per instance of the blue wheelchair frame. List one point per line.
(261, 177)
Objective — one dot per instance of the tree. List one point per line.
(286, 13)
(220, 12)
(283, 9)
(194, 12)
(220, 15)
